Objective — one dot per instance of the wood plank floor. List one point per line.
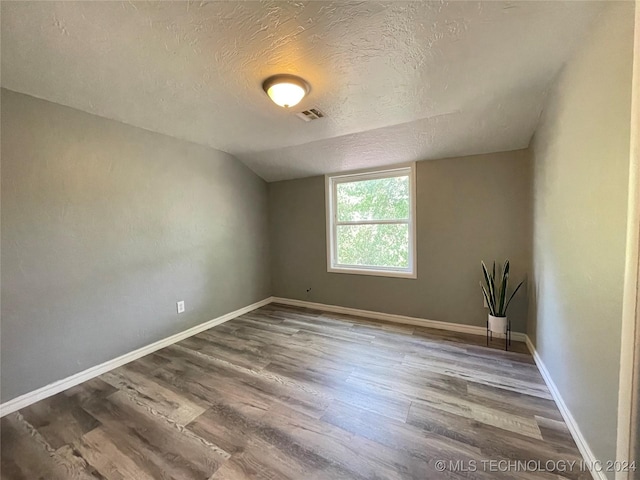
(289, 393)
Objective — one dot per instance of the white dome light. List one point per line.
(285, 90)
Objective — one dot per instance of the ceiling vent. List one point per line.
(311, 114)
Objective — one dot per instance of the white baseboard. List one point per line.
(56, 387)
(390, 317)
(61, 385)
(581, 442)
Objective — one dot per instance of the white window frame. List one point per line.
(331, 183)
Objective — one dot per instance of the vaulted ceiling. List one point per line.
(397, 81)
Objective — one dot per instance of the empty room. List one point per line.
(320, 240)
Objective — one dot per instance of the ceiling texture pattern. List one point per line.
(397, 81)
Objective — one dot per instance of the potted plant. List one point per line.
(495, 294)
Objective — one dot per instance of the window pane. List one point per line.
(379, 199)
(373, 245)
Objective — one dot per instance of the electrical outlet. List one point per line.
(180, 306)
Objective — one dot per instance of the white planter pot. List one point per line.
(498, 324)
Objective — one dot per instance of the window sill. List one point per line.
(371, 272)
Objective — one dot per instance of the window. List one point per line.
(371, 222)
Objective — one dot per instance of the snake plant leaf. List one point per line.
(503, 289)
(491, 294)
(486, 297)
(514, 292)
(505, 270)
(493, 278)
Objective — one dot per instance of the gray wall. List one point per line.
(468, 209)
(104, 227)
(581, 167)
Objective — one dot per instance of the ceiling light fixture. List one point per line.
(285, 90)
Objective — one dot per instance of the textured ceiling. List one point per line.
(397, 81)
